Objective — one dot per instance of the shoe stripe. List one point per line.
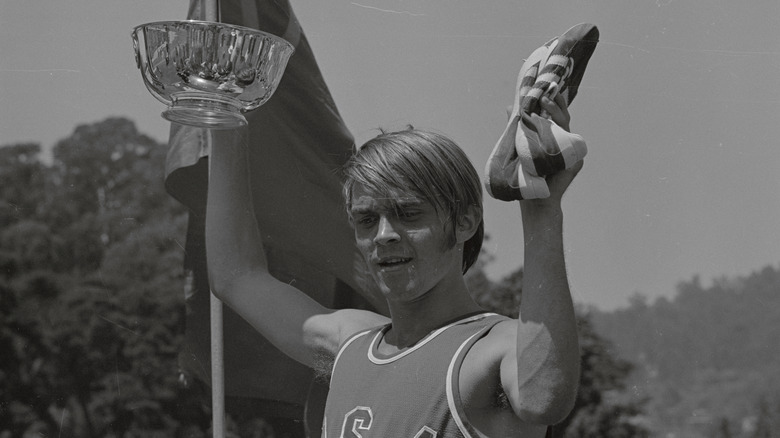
(573, 154)
(545, 79)
(501, 166)
(547, 163)
(535, 93)
(543, 149)
(527, 82)
(556, 61)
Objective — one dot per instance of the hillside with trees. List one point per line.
(707, 360)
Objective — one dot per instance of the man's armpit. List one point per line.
(323, 365)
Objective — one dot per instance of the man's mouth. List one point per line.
(389, 262)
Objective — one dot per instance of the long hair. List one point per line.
(427, 164)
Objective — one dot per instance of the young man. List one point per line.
(440, 366)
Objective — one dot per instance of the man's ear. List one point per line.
(467, 224)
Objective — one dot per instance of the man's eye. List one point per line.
(408, 214)
(366, 220)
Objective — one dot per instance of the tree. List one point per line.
(601, 408)
(724, 429)
(763, 425)
(709, 349)
(21, 182)
(91, 311)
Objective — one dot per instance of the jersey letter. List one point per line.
(357, 420)
(426, 432)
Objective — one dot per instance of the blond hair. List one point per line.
(427, 164)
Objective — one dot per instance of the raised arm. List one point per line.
(238, 270)
(547, 358)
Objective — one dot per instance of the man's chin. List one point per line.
(393, 291)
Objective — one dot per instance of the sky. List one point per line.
(679, 106)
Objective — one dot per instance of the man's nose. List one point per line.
(385, 232)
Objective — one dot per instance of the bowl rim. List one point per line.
(245, 29)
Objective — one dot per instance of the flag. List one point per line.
(298, 142)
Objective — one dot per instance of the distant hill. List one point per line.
(707, 360)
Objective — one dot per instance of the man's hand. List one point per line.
(558, 112)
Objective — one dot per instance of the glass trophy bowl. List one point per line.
(209, 73)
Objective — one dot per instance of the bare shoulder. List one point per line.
(503, 332)
(352, 321)
(326, 332)
(498, 342)
(482, 365)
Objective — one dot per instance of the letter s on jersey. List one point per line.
(426, 432)
(360, 419)
(357, 420)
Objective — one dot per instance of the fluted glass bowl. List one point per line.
(209, 73)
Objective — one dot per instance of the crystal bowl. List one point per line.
(209, 73)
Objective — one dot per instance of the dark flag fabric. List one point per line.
(298, 144)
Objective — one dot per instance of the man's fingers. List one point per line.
(561, 101)
(558, 111)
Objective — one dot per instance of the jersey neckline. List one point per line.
(380, 359)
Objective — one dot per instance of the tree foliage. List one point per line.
(90, 276)
(707, 355)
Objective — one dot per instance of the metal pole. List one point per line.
(211, 13)
(217, 355)
(210, 10)
(217, 369)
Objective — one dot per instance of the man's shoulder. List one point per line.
(328, 332)
(354, 321)
(487, 352)
(500, 339)
(482, 363)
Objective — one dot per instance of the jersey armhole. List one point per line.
(453, 382)
(344, 346)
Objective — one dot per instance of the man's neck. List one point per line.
(413, 321)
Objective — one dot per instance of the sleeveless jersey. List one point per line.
(413, 393)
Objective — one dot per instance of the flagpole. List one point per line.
(217, 368)
(211, 13)
(210, 10)
(267, 69)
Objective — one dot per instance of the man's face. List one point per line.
(407, 247)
